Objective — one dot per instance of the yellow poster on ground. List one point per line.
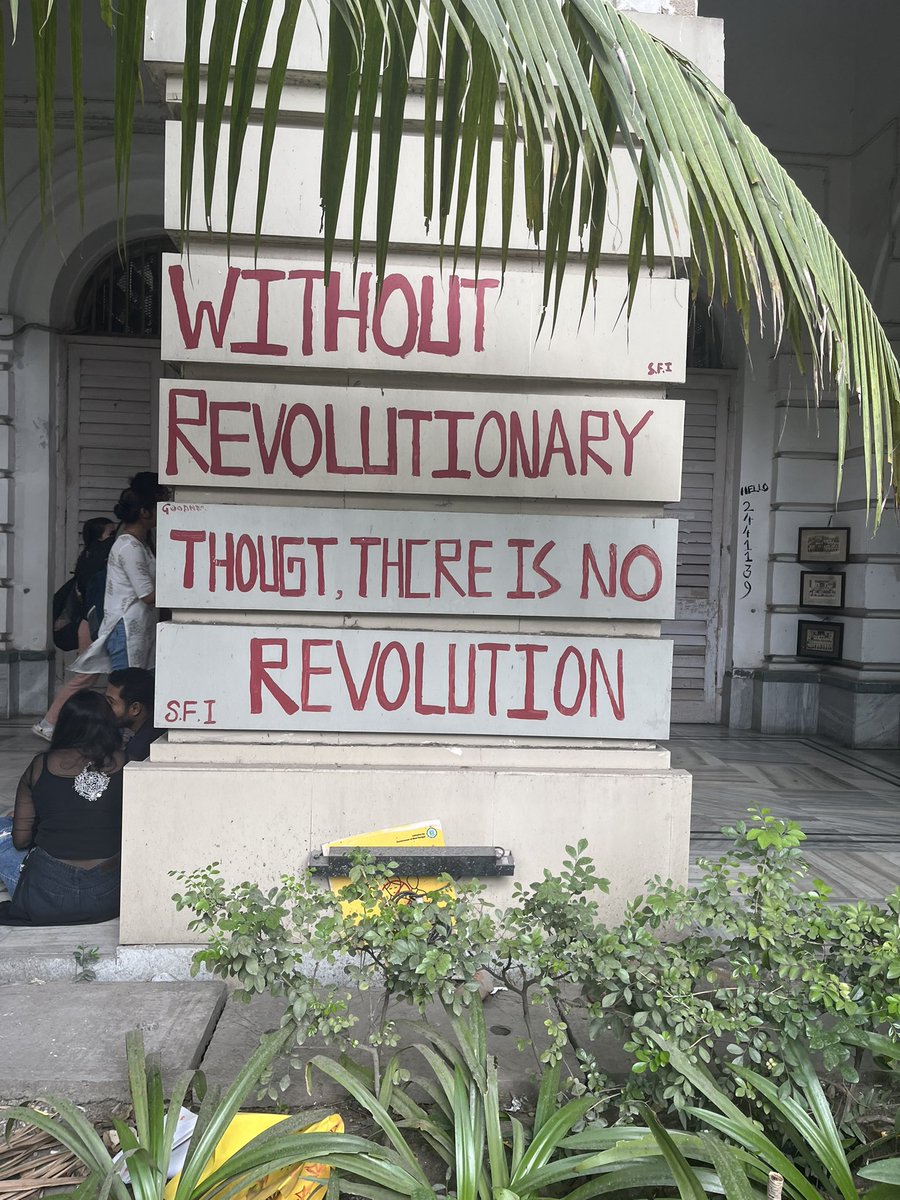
(401, 889)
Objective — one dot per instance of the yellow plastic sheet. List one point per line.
(289, 1183)
(402, 889)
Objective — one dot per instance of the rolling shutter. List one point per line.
(113, 400)
(696, 681)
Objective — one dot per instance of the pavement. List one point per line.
(59, 1036)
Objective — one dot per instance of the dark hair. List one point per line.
(131, 505)
(135, 685)
(93, 529)
(146, 485)
(86, 724)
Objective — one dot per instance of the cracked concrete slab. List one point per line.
(68, 1040)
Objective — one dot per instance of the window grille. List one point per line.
(705, 337)
(122, 297)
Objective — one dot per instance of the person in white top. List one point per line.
(127, 635)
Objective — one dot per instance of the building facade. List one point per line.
(769, 634)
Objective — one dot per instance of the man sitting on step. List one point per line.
(129, 693)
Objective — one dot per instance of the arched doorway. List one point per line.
(112, 385)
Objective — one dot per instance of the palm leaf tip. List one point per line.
(570, 81)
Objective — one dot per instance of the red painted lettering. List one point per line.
(497, 418)
(617, 698)
(553, 583)
(308, 671)
(569, 710)
(332, 466)
(192, 328)
(294, 564)
(421, 707)
(392, 284)
(493, 649)
(557, 443)
(474, 569)
(287, 444)
(441, 558)
(588, 438)
(629, 435)
(176, 433)
(261, 668)
(415, 416)
(370, 468)
(589, 564)
(306, 344)
(399, 650)
(409, 545)
(480, 286)
(650, 556)
(520, 545)
(217, 437)
(358, 698)
(262, 345)
(528, 712)
(452, 470)
(190, 538)
(452, 704)
(319, 544)
(334, 313)
(364, 544)
(268, 454)
(391, 564)
(427, 344)
(246, 570)
(517, 446)
(227, 562)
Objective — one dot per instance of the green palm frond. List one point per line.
(558, 85)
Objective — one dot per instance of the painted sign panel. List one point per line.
(282, 312)
(231, 677)
(271, 436)
(294, 211)
(464, 564)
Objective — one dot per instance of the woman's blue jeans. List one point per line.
(117, 647)
(11, 859)
(52, 892)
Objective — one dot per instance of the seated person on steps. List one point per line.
(68, 821)
(129, 695)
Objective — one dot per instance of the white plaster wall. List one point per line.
(755, 417)
(672, 21)
(636, 823)
(41, 270)
(830, 112)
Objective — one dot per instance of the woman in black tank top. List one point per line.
(68, 816)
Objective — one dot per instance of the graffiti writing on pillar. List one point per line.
(748, 511)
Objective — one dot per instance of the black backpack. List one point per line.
(90, 572)
(68, 609)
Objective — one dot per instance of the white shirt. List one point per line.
(130, 574)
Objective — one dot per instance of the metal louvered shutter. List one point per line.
(699, 603)
(112, 422)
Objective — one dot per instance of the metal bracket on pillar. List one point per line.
(459, 862)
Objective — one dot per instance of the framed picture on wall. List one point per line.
(824, 545)
(818, 590)
(816, 639)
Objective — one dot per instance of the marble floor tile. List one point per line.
(847, 801)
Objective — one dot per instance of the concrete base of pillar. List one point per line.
(261, 819)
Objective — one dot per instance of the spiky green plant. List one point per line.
(148, 1148)
(564, 81)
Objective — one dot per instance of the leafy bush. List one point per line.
(753, 957)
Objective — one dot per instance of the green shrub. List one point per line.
(732, 969)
